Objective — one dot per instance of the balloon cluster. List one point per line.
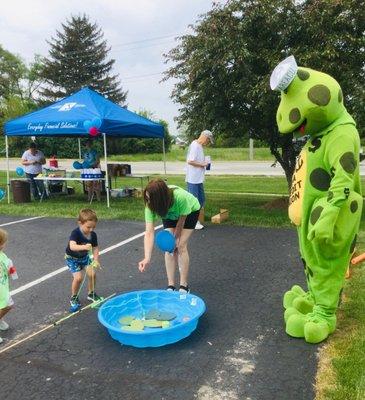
(92, 126)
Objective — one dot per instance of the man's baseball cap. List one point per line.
(209, 135)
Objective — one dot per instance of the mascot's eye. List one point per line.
(303, 75)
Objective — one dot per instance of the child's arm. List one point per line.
(79, 247)
(96, 254)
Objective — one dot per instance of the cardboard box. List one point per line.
(222, 216)
(137, 193)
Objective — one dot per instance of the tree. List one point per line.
(332, 39)
(77, 58)
(223, 72)
(16, 78)
(223, 68)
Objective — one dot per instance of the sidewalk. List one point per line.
(178, 167)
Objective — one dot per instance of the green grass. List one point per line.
(341, 373)
(217, 154)
(222, 192)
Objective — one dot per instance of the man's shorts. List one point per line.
(197, 190)
(190, 221)
(77, 264)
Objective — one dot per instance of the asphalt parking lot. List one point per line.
(239, 350)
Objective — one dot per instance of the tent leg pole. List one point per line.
(106, 172)
(79, 148)
(7, 168)
(164, 155)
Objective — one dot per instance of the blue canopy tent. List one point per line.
(66, 118)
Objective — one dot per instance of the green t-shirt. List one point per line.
(4, 280)
(183, 203)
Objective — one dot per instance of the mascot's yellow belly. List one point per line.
(297, 189)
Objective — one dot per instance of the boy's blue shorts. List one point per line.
(77, 264)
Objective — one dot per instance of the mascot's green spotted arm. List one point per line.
(325, 200)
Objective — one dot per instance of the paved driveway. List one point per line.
(239, 351)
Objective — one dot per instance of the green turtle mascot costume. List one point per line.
(325, 201)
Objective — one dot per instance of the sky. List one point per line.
(139, 32)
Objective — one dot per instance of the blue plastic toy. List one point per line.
(187, 308)
(19, 171)
(165, 241)
(2, 194)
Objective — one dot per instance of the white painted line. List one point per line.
(60, 270)
(21, 220)
(37, 281)
(2, 350)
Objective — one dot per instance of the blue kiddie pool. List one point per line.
(183, 310)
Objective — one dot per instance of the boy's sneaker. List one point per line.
(199, 226)
(184, 289)
(3, 325)
(75, 301)
(92, 296)
(171, 288)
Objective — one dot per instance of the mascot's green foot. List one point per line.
(304, 304)
(318, 329)
(289, 312)
(292, 294)
(295, 325)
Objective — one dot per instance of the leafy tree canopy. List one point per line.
(223, 67)
(17, 78)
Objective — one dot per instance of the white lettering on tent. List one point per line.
(67, 106)
(50, 126)
(69, 125)
(35, 127)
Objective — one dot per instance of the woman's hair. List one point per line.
(87, 214)
(3, 237)
(158, 197)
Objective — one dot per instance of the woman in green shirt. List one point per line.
(179, 211)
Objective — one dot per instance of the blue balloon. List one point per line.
(85, 164)
(87, 125)
(165, 241)
(77, 165)
(19, 171)
(96, 122)
(2, 194)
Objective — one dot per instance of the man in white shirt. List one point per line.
(195, 171)
(33, 159)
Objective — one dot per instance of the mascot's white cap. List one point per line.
(283, 74)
